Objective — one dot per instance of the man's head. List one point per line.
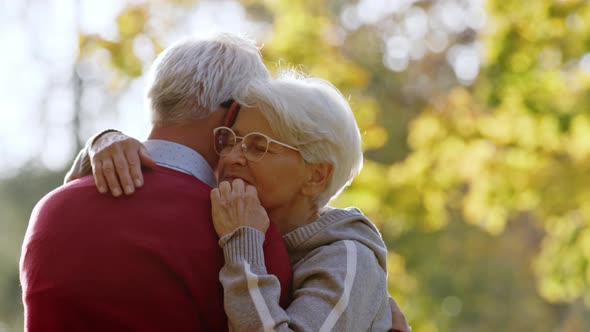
(191, 78)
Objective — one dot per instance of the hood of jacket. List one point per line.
(332, 226)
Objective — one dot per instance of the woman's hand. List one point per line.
(399, 322)
(237, 204)
(116, 161)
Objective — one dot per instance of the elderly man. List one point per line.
(150, 261)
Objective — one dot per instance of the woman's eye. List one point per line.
(260, 148)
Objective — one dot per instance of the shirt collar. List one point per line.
(180, 158)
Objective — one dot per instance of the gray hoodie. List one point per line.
(339, 278)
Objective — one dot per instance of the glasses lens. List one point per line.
(256, 146)
(224, 140)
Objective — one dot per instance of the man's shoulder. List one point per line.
(160, 181)
(162, 189)
(169, 178)
(165, 206)
(63, 194)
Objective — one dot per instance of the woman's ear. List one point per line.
(318, 175)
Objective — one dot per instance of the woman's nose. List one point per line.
(236, 154)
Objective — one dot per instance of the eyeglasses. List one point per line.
(254, 145)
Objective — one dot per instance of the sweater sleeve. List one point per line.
(338, 287)
(82, 165)
(250, 294)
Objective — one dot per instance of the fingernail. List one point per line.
(102, 190)
(128, 189)
(116, 192)
(138, 183)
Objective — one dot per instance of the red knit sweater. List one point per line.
(147, 262)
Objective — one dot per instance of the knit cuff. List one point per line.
(243, 244)
(94, 138)
(82, 165)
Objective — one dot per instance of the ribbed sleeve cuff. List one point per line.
(82, 165)
(94, 138)
(243, 244)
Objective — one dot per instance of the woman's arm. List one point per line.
(115, 161)
(81, 166)
(338, 287)
(335, 289)
(400, 324)
(251, 295)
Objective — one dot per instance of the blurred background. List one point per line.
(475, 118)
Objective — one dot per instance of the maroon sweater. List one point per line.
(147, 262)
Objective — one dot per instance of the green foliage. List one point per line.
(130, 24)
(516, 142)
(18, 196)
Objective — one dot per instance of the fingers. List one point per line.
(145, 158)
(136, 155)
(232, 190)
(99, 179)
(117, 166)
(225, 189)
(237, 186)
(215, 198)
(122, 172)
(399, 322)
(232, 195)
(108, 170)
(134, 164)
(215, 194)
(252, 195)
(393, 305)
(251, 191)
(218, 213)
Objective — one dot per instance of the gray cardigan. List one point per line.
(339, 278)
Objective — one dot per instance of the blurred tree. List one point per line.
(513, 144)
(18, 196)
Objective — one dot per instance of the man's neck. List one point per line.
(193, 134)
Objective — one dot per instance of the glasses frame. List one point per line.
(241, 139)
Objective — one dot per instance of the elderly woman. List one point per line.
(290, 151)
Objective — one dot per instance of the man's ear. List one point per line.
(318, 175)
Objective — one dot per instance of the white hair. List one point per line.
(191, 78)
(311, 114)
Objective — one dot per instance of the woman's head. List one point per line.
(311, 115)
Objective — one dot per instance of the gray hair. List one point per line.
(191, 78)
(311, 114)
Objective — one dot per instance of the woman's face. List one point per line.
(278, 176)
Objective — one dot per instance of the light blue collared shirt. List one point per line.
(181, 158)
